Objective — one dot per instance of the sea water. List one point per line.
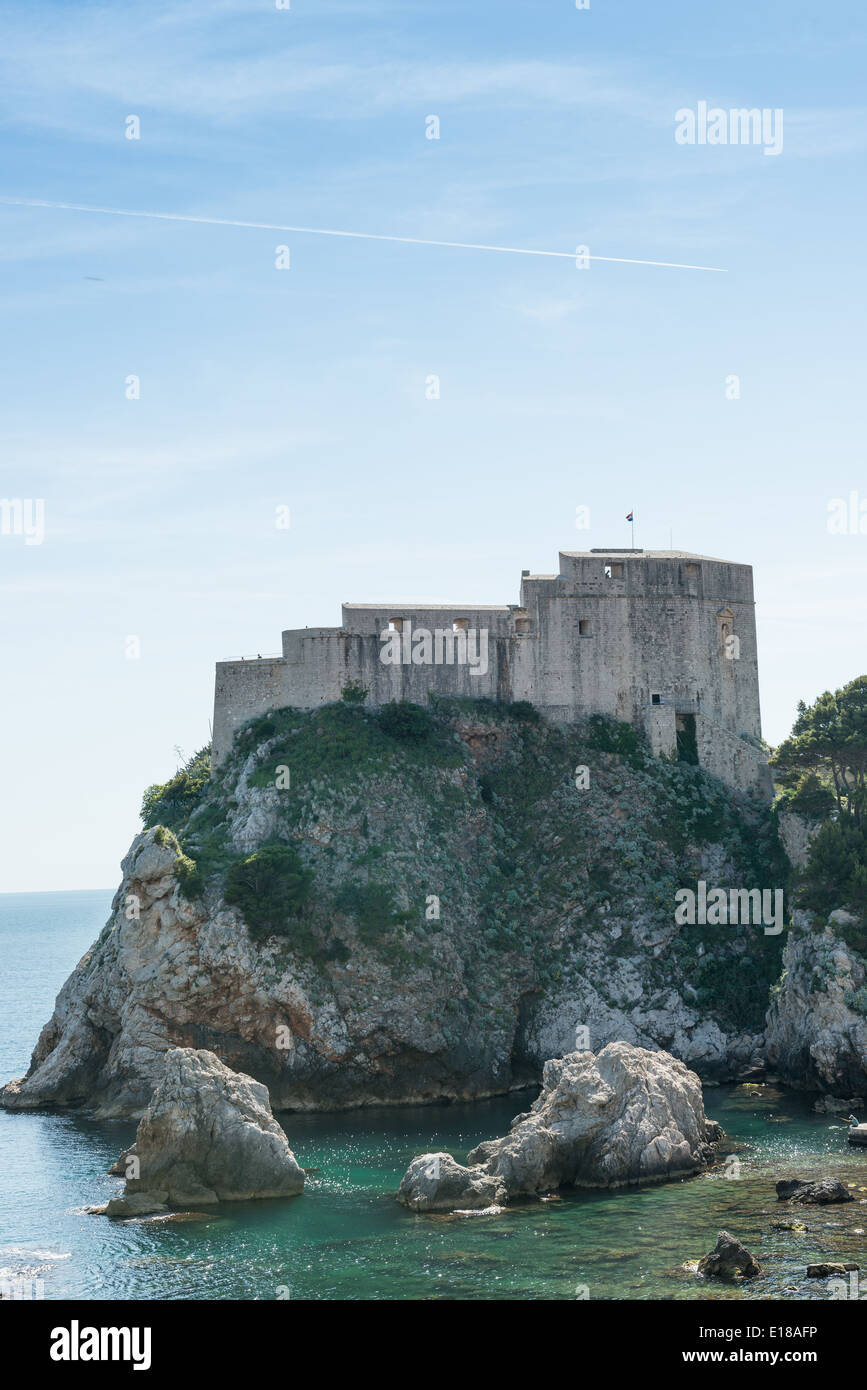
(346, 1237)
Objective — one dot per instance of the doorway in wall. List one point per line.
(687, 743)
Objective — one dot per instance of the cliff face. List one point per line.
(817, 1024)
(468, 908)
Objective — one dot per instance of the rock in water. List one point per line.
(824, 1271)
(207, 1136)
(626, 1115)
(858, 1134)
(435, 1182)
(818, 1193)
(728, 1259)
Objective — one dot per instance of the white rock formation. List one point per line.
(624, 1116)
(207, 1136)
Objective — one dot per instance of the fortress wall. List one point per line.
(583, 656)
(242, 690)
(659, 725)
(321, 661)
(363, 619)
(733, 760)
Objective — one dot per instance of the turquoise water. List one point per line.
(346, 1237)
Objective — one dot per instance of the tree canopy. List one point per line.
(828, 744)
(823, 767)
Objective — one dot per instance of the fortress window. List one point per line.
(656, 699)
(692, 571)
(583, 627)
(614, 571)
(461, 625)
(522, 624)
(395, 624)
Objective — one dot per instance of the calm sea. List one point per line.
(346, 1237)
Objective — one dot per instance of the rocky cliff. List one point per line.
(407, 906)
(817, 1024)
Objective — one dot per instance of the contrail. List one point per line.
(326, 231)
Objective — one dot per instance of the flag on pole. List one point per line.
(629, 516)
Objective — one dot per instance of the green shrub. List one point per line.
(857, 1000)
(166, 839)
(372, 904)
(810, 798)
(171, 803)
(271, 887)
(403, 720)
(835, 874)
(190, 882)
(612, 736)
(353, 693)
(522, 709)
(336, 950)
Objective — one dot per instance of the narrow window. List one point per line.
(461, 625)
(583, 627)
(395, 624)
(656, 699)
(614, 570)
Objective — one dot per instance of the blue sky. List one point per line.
(305, 387)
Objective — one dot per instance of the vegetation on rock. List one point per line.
(543, 886)
(822, 768)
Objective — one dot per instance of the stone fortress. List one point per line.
(662, 639)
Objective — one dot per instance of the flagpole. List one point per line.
(632, 529)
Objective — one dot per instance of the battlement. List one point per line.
(665, 640)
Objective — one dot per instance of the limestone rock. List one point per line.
(836, 1105)
(815, 1038)
(728, 1260)
(207, 1136)
(624, 1116)
(813, 1192)
(435, 1182)
(858, 1134)
(796, 833)
(136, 1204)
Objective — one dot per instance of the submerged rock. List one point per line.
(728, 1260)
(819, 1192)
(624, 1116)
(207, 1136)
(824, 1271)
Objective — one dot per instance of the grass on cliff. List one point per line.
(542, 866)
(339, 740)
